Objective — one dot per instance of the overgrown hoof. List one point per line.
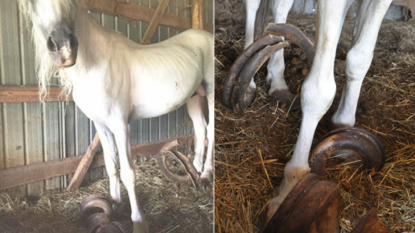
(285, 97)
(311, 206)
(365, 146)
(118, 209)
(249, 96)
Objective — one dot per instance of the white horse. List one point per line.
(115, 81)
(319, 88)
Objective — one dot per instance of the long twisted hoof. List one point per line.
(112, 227)
(370, 223)
(95, 210)
(284, 97)
(236, 94)
(192, 176)
(366, 145)
(311, 206)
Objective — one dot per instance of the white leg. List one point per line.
(276, 64)
(194, 108)
(111, 164)
(208, 167)
(251, 7)
(120, 130)
(317, 93)
(367, 24)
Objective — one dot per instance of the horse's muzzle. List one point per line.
(63, 46)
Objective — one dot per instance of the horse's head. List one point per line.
(55, 22)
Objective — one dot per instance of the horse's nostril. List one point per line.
(52, 46)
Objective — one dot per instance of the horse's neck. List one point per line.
(92, 42)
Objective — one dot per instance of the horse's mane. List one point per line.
(45, 67)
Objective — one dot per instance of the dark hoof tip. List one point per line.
(205, 184)
(285, 97)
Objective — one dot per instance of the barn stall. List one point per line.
(252, 148)
(42, 144)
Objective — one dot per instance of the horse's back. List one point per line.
(199, 41)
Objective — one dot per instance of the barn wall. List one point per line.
(34, 132)
(233, 10)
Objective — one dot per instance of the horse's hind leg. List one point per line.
(278, 88)
(111, 165)
(208, 167)
(120, 130)
(251, 8)
(195, 110)
(367, 24)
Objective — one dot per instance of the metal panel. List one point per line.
(34, 132)
(11, 73)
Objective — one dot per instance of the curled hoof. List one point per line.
(96, 209)
(315, 203)
(249, 96)
(370, 223)
(118, 209)
(112, 227)
(285, 97)
(366, 146)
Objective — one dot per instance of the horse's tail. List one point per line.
(262, 17)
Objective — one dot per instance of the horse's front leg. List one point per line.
(317, 94)
(120, 129)
(208, 166)
(111, 165)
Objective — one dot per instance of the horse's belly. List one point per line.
(158, 104)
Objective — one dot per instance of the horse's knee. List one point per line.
(317, 94)
(357, 64)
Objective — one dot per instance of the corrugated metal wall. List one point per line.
(34, 132)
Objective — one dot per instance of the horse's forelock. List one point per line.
(46, 69)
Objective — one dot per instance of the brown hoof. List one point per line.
(364, 143)
(192, 175)
(311, 206)
(112, 227)
(285, 97)
(370, 223)
(95, 204)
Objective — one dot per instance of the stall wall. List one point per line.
(33, 132)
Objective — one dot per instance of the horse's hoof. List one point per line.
(95, 204)
(118, 209)
(285, 97)
(112, 227)
(316, 203)
(370, 223)
(249, 96)
(97, 220)
(365, 145)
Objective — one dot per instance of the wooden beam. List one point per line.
(84, 164)
(197, 14)
(155, 21)
(408, 3)
(136, 12)
(17, 176)
(28, 94)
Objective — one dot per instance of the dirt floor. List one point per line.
(268, 133)
(167, 206)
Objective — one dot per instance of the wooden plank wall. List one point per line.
(34, 132)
